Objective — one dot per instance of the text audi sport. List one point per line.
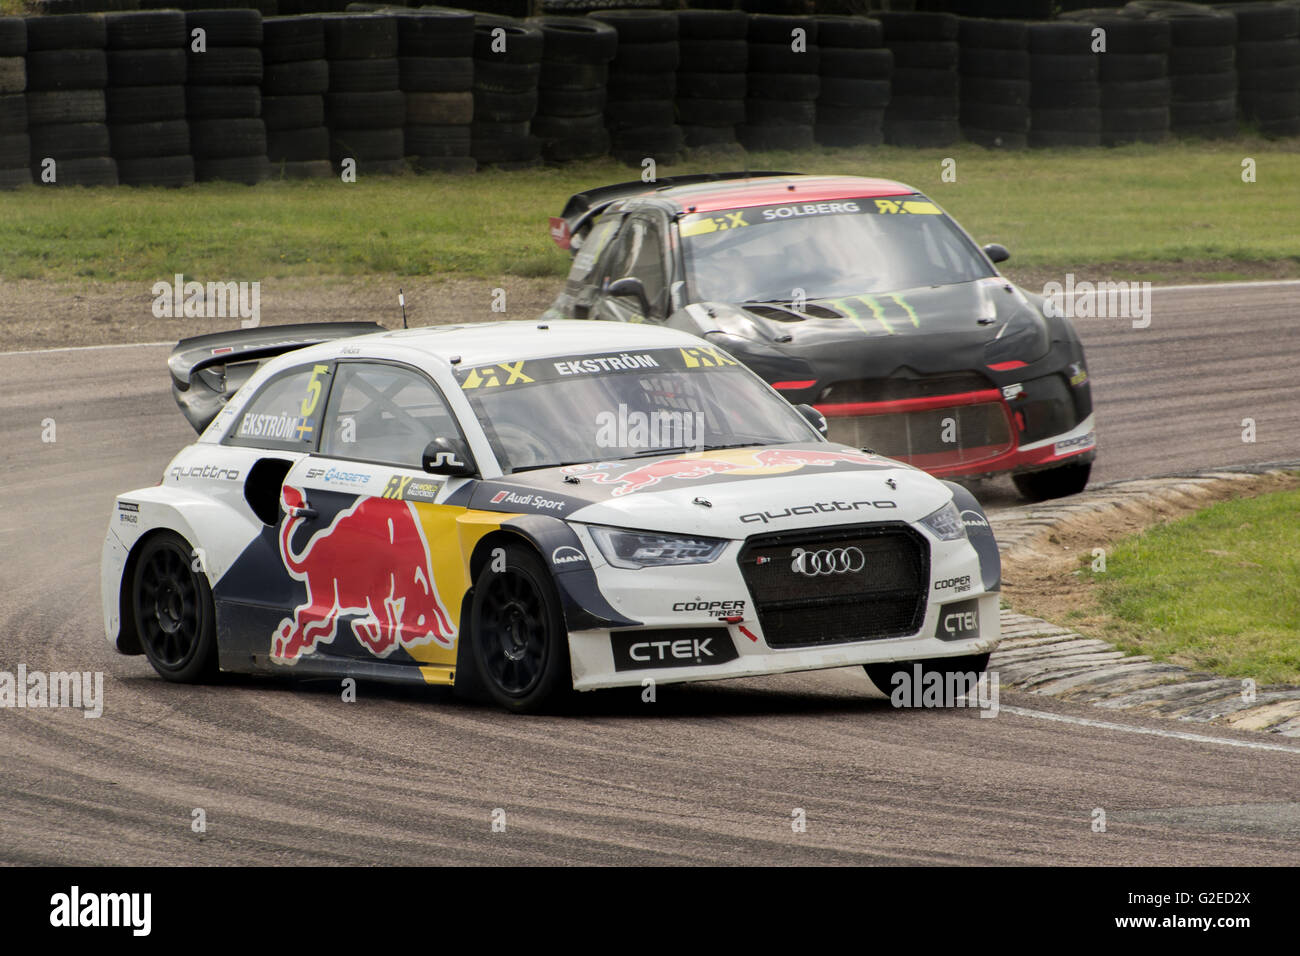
(859, 296)
(505, 509)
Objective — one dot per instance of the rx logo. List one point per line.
(489, 377)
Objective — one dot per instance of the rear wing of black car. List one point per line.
(570, 227)
(207, 370)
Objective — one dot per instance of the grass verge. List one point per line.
(1218, 590)
(1179, 209)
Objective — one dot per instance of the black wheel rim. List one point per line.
(513, 632)
(168, 608)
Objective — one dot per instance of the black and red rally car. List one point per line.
(858, 296)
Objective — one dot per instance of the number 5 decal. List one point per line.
(313, 390)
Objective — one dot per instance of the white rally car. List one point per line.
(518, 509)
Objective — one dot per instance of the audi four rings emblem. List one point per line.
(830, 561)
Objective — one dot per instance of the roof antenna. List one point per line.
(401, 300)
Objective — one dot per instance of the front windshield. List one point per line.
(597, 407)
(825, 249)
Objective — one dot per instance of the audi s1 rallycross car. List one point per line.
(505, 509)
(858, 296)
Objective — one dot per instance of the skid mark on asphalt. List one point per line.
(1150, 731)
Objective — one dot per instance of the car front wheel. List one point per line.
(882, 675)
(1054, 482)
(174, 616)
(521, 645)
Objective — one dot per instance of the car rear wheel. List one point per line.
(520, 641)
(1054, 482)
(882, 675)
(174, 616)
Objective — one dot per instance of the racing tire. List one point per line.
(226, 27)
(639, 26)
(223, 102)
(170, 171)
(67, 70)
(520, 641)
(571, 76)
(66, 106)
(993, 34)
(866, 132)
(882, 675)
(364, 76)
(875, 63)
(13, 36)
(293, 112)
(430, 74)
(442, 109)
(712, 24)
(298, 78)
(291, 39)
(436, 33)
(147, 140)
(15, 177)
(359, 36)
(927, 56)
(1054, 482)
(846, 32)
(77, 31)
(145, 104)
(995, 64)
(523, 41)
(226, 66)
(713, 86)
(13, 74)
(249, 170)
(175, 619)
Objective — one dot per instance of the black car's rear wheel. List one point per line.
(521, 645)
(174, 616)
(1054, 482)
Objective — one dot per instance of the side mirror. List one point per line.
(630, 286)
(996, 252)
(448, 456)
(815, 418)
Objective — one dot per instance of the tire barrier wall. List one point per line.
(139, 98)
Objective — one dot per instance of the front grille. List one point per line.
(881, 595)
(936, 437)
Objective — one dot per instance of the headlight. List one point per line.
(648, 549)
(946, 523)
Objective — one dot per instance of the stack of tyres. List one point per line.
(67, 70)
(923, 106)
(1268, 66)
(295, 77)
(1134, 77)
(711, 75)
(146, 98)
(783, 83)
(507, 67)
(1064, 94)
(1202, 68)
(855, 82)
(640, 113)
(223, 95)
(15, 144)
(364, 108)
(995, 82)
(570, 120)
(436, 62)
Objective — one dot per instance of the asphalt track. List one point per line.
(286, 772)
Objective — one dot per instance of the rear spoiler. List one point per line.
(207, 370)
(570, 227)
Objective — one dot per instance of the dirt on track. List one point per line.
(38, 314)
(35, 314)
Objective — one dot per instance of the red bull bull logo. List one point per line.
(749, 461)
(394, 601)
